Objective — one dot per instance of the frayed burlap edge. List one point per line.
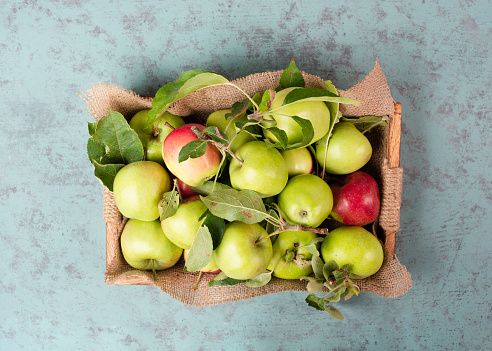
(392, 279)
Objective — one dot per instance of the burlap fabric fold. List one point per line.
(392, 280)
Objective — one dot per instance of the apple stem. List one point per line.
(289, 227)
(169, 125)
(198, 279)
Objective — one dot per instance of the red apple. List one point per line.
(185, 190)
(355, 199)
(193, 171)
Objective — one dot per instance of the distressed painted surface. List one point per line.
(437, 59)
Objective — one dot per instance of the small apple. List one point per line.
(226, 126)
(288, 242)
(263, 169)
(211, 267)
(355, 199)
(347, 151)
(144, 246)
(244, 252)
(185, 190)
(138, 188)
(315, 111)
(193, 171)
(298, 161)
(355, 246)
(182, 227)
(153, 136)
(306, 200)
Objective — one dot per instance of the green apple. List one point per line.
(263, 169)
(153, 136)
(298, 161)
(315, 111)
(138, 188)
(144, 246)
(182, 227)
(355, 246)
(306, 200)
(347, 151)
(288, 243)
(226, 126)
(211, 267)
(245, 250)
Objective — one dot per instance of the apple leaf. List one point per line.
(266, 100)
(318, 264)
(260, 280)
(216, 227)
(365, 123)
(188, 82)
(315, 94)
(216, 135)
(223, 279)
(314, 285)
(334, 312)
(209, 187)
(329, 268)
(301, 262)
(234, 205)
(291, 77)
(112, 145)
(316, 302)
(201, 250)
(106, 173)
(281, 136)
(169, 204)
(194, 149)
(307, 132)
(311, 247)
(239, 109)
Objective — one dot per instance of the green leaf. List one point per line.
(317, 264)
(328, 269)
(301, 262)
(106, 173)
(239, 109)
(364, 123)
(291, 77)
(116, 142)
(334, 312)
(169, 204)
(316, 302)
(312, 246)
(307, 132)
(92, 127)
(260, 280)
(188, 82)
(266, 100)
(314, 285)
(200, 251)
(335, 297)
(215, 134)
(194, 149)
(216, 227)
(234, 205)
(281, 136)
(315, 94)
(223, 279)
(209, 186)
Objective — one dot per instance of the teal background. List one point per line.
(437, 59)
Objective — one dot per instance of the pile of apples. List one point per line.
(307, 186)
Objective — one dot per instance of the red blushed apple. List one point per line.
(184, 189)
(355, 199)
(193, 171)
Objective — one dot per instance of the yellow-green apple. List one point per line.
(347, 150)
(152, 136)
(315, 111)
(355, 246)
(193, 171)
(144, 246)
(182, 227)
(226, 126)
(138, 188)
(245, 250)
(286, 248)
(211, 267)
(263, 169)
(298, 161)
(306, 200)
(355, 199)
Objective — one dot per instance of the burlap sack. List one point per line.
(392, 280)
